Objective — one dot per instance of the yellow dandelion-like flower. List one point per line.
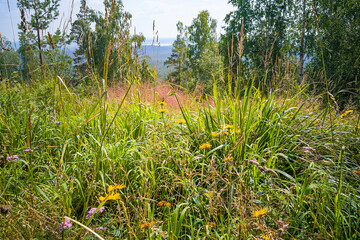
(162, 103)
(112, 187)
(112, 196)
(215, 134)
(259, 212)
(238, 131)
(162, 110)
(212, 224)
(225, 133)
(227, 159)
(346, 113)
(205, 146)
(147, 224)
(164, 204)
(229, 126)
(167, 124)
(180, 121)
(358, 127)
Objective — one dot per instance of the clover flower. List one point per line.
(13, 157)
(65, 224)
(93, 210)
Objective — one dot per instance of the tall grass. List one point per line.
(84, 144)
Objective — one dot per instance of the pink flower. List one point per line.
(100, 228)
(13, 157)
(28, 150)
(92, 210)
(65, 224)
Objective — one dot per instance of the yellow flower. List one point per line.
(259, 212)
(215, 134)
(226, 133)
(112, 196)
(167, 124)
(164, 203)
(162, 103)
(229, 126)
(346, 113)
(212, 224)
(205, 146)
(112, 187)
(358, 127)
(162, 110)
(147, 224)
(238, 131)
(227, 159)
(180, 121)
(357, 172)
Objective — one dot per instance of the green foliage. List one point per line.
(179, 59)
(9, 61)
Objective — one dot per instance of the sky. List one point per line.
(166, 14)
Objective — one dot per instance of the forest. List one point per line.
(248, 133)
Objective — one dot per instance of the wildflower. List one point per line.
(164, 204)
(162, 103)
(228, 126)
(52, 117)
(112, 196)
(226, 133)
(180, 121)
(358, 127)
(92, 210)
(162, 110)
(227, 159)
(100, 228)
(147, 224)
(215, 134)
(309, 149)
(167, 124)
(13, 157)
(90, 128)
(28, 150)
(212, 224)
(238, 131)
(57, 122)
(112, 187)
(346, 113)
(205, 146)
(65, 224)
(259, 212)
(357, 172)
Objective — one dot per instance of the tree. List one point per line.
(179, 56)
(9, 61)
(43, 12)
(204, 60)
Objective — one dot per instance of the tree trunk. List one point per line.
(38, 38)
(302, 46)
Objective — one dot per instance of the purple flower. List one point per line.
(92, 210)
(28, 150)
(52, 117)
(65, 224)
(13, 157)
(309, 149)
(57, 122)
(100, 228)
(91, 128)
